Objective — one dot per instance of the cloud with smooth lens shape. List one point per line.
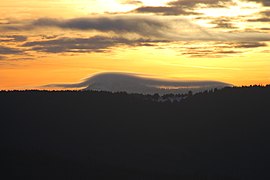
(132, 83)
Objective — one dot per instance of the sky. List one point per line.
(67, 41)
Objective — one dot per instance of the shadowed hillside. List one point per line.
(214, 135)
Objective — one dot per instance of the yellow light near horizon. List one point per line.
(114, 5)
(168, 61)
(240, 9)
(146, 61)
(100, 6)
(155, 2)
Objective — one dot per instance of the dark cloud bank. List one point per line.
(140, 30)
(7, 50)
(130, 83)
(182, 7)
(13, 38)
(150, 31)
(92, 44)
(145, 26)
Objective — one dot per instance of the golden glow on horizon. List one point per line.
(155, 2)
(236, 71)
(241, 9)
(186, 59)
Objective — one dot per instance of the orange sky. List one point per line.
(65, 41)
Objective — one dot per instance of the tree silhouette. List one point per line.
(219, 134)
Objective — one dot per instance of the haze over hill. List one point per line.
(132, 83)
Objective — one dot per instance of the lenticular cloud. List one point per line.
(132, 83)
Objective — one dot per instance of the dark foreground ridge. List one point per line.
(216, 135)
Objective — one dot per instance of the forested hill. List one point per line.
(219, 134)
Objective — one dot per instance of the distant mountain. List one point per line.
(131, 83)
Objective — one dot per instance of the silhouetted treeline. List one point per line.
(214, 135)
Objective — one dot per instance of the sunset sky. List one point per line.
(66, 41)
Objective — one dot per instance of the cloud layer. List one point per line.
(178, 24)
(82, 45)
